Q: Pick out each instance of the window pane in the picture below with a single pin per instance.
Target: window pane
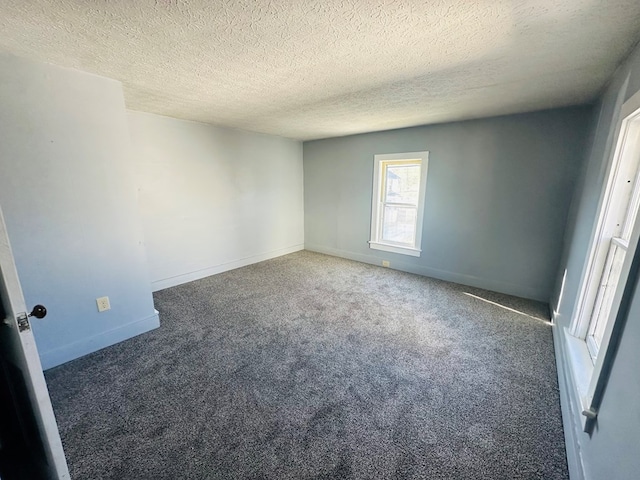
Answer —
(604, 299)
(402, 184)
(399, 224)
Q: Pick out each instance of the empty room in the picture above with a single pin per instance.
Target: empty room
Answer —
(342, 239)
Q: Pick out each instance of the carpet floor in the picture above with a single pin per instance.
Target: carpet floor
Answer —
(314, 367)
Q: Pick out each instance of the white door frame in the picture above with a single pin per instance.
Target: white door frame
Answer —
(19, 349)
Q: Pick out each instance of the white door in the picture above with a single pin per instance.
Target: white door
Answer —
(30, 445)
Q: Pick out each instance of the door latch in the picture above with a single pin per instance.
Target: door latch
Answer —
(39, 311)
(23, 322)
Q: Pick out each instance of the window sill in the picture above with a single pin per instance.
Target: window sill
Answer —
(414, 252)
(581, 371)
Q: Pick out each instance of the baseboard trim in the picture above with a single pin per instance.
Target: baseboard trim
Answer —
(567, 406)
(83, 347)
(470, 280)
(161, 284)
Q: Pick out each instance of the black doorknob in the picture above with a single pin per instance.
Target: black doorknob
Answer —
(39, 311)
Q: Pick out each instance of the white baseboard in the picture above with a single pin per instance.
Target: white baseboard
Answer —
(223, 267)
(470, 280)
(569, 415)
(78, 349)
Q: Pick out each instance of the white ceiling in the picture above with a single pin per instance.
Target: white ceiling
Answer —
(319, 68)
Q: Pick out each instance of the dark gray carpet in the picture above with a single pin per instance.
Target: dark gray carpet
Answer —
(314, 367)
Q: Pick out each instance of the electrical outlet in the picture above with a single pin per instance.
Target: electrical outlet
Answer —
(103, 304)
(386, 263)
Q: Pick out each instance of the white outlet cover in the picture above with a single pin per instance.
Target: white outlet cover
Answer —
(103, 304)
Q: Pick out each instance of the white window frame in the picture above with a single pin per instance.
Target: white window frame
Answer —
(587, 359)
(376, 242)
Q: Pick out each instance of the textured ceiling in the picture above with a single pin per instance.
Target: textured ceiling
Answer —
(320, 68)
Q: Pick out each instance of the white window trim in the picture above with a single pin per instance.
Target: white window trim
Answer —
(586, 373)
(375, 241)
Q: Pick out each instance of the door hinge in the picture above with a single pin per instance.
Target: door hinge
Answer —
(23, 322)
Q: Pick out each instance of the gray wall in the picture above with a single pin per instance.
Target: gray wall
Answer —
(212, 199)
(612, 451)
(498, 193)
(68, 195)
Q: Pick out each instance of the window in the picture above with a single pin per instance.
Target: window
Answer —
(613, 240)
(399, 182)
(608, 264)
